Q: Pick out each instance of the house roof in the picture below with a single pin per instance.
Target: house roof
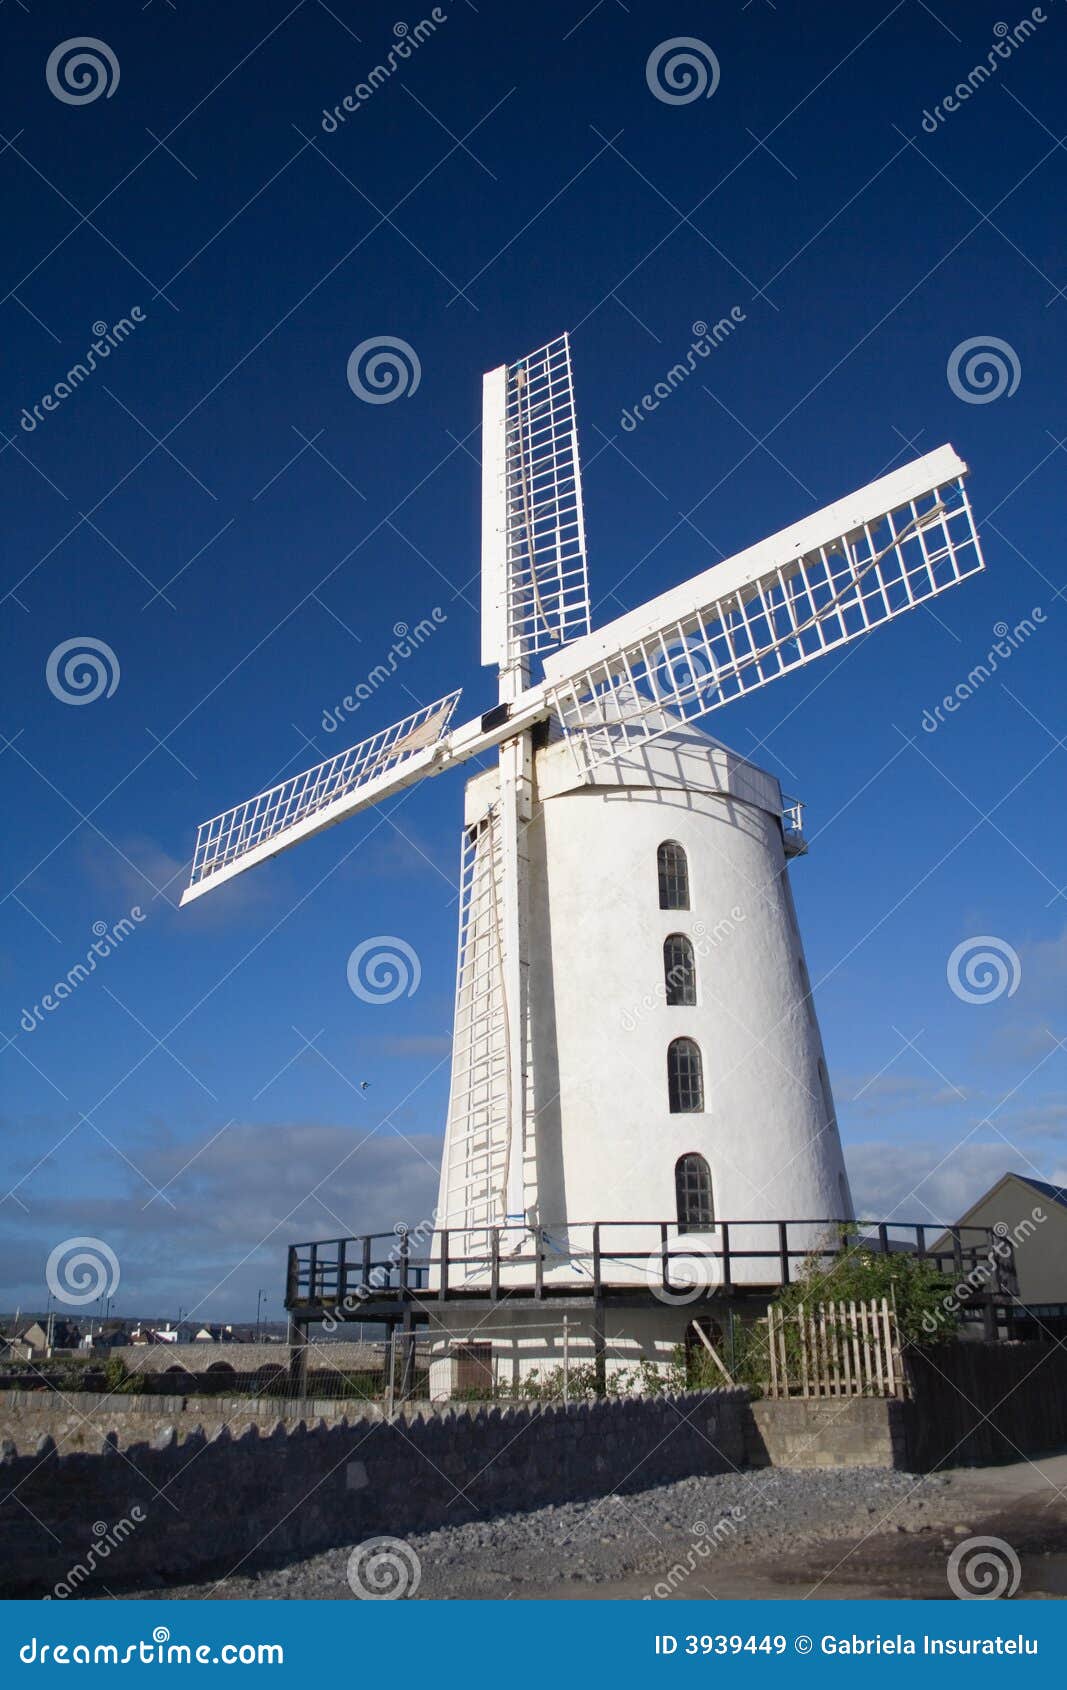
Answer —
(1053, 1193)
(1057, 1193)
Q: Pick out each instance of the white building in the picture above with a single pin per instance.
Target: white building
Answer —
(678, 1074)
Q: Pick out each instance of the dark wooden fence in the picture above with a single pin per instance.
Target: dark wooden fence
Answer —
(979, 1402)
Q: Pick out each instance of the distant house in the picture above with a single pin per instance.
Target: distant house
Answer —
(1033, 1216)
(108, 1336)
(214, 1335)
(35, 1338)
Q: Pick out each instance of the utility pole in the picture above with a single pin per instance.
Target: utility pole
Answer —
(261, 1297)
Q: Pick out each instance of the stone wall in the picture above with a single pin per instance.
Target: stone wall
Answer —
(245, 1358)
(77, 1421)
(199, 1507)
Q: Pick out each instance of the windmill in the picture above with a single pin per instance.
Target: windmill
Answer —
(557, 1116)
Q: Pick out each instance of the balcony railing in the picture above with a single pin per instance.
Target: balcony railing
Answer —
(374, 1275)
(793, 826)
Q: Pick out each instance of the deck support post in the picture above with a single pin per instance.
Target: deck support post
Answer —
(600, 1350)
(298, 1358)
(407, 1372)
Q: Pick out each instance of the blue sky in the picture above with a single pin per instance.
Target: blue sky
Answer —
(217, 506)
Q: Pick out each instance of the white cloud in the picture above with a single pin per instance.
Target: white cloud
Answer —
(927, 1184)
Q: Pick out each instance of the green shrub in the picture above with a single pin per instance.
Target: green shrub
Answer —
(914, 1288)
(119, 1379)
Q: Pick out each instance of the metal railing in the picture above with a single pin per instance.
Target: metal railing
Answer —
(367, 1276)
(793, 825)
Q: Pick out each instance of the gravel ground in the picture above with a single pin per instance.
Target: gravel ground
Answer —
(646, 1534)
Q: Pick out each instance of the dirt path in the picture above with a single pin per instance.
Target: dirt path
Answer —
(1024, 1505)
(771, 1533)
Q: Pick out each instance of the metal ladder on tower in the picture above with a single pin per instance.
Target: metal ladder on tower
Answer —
(479, 1102)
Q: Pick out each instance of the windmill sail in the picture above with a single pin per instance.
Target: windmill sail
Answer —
(316, 799)
(886, 549)
(535, 585)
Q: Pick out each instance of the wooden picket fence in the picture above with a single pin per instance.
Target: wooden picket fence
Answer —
(834, 1349)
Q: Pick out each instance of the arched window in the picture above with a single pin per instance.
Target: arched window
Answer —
(673, 876)
(692, 1190)
(685, 1077)
(679, 970)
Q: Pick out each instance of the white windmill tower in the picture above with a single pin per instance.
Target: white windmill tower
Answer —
(635, 1049)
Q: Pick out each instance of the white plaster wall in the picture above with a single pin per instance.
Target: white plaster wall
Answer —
(607, 1142)
(526, 1342)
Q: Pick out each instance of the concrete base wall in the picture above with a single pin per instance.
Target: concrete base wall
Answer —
(853, 1432)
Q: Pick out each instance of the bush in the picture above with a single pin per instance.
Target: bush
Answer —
(914, 1288)
(118, 1378)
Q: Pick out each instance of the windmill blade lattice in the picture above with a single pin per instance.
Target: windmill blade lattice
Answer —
(315, 799)
(535, 582)
(804, 592)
